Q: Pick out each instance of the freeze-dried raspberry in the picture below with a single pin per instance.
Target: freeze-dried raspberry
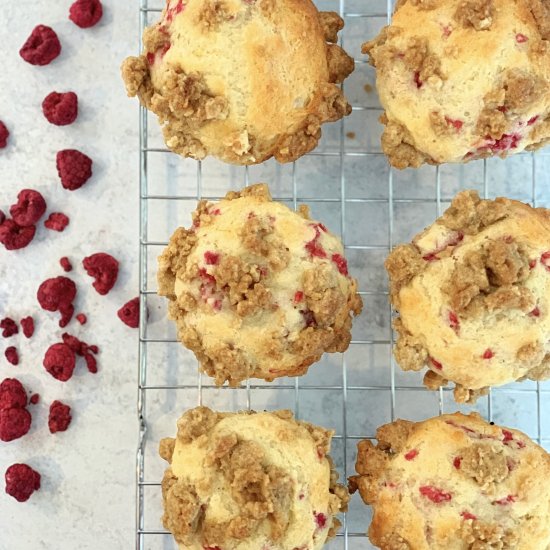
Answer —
(41, 47)
(57, 294)
(81, 318)
(104, 269)
(341, 263)
(9, 327)
(27, 324)
(2, 217)
(35, 398)
(86, 13)
(82, 349)
(66, 264)
(60, 109)
(74, 168)
(4, 135)
(59, 417)
(411, 455)
(320, 520)
(12, 356)
(14, 423)
(91, 363)
(29, 209)
(21, 481)
(129, 313)
(60, 361)
(57, 221)
(12, 394)
(14, 237)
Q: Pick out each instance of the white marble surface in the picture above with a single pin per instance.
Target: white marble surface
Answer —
(87, 500)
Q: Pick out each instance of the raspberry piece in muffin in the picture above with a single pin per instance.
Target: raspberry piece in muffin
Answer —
(256, 289)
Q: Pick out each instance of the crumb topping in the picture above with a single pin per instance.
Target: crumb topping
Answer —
(476, 13)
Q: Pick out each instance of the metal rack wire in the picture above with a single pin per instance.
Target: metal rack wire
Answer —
(395, 389)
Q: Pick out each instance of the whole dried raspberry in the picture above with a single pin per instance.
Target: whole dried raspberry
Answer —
(21, 481)
(60, 361)
(12, 356)
(41, 47)
(59, 417)
(74, 168)
(57, 294)
(86, 13)
(9, 327)
(12, 394)
(57, 221)
(66, 264)
(14, 423)
(129, 313)
(4, 135)
(29, 209)
(60, 109)
(27, 324)
(104, 269)
(14, 237)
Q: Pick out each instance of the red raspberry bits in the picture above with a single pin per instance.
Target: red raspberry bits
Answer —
(81, 318)
(454, 322)
(434, 494)
(488, 354)
(82, 349)
(545, 260)
(320, 520)
(129, 313)
(74, 168)
(42, 46)
(298, 296)
(341, 263)
(60, 109)
(104, 269)
(211, 258)
(521, 38)
(57, 294)
(59, 417)
(456, 124)
(468, 515)
(4, 135)
(313, 246)
(457, 462)
(60, 361)
(412, 454)
(510, 499)
(35, 398)
(57, 221)
(21, 481)
(65, 263)
(436, 364)
(9, 327)
(27, 324)
(535, 312)
(2, 217)
(12, 356)
(86, 13)
(29, 209)
(14, 237)
(12, 394)
(14, 423)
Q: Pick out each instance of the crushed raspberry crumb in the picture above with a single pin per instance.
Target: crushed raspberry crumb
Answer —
(434, 494)
(4, 135)
(104, 269)
(65, 263)
(81, 318)
(457, 462)
(60, 361)
(510, 499)
(129, 313)
(41, 47)
(412, 454)
(60, 109)
(27, 324)
(320, 520)
(341, 263)
(211, 258)
(488, 354)
(14, 423)
(9, 327)
(59, 417)
(505, 143)
(436, 364)
(298, 296)
(57, 221)
(12, 394)
(74, 168)
(21, 481)
(521, 38)
(535, 312)
(454, 323)
(456, 124)
(12, 356)
(30, 207)
(545, 260)
(35, 398)
(467, 515)
(86, 13)
(15, 237)
(57, 294)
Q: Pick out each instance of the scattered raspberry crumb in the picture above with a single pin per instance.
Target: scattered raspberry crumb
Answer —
(211, 258)
(12, 356)
(521, 38)
(60, 361)
(4, 135)
(436, 364)
(320, 520)
(35, 398)
(27, 324)
(21, 481)
(42, 46)
(457, 461)
(412, 454)
(57, 221)
(12, 394)
(65, 263)
(86, 13)
(57, 294)
(129, 313)
(74, 168)
(104, 269)
(434, 494)
(14, 423)
(81, 318)
(14, 237)
(506, 500)
(9, 327)
(341, 263)
(60, 109)
(59, 417)
(467, 515)
(298, 296)
(488, 354)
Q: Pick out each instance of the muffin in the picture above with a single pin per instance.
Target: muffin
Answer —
(472, 292)
(454, 482)
(256, 289)
(463, 79)
(250, 481)
(242, 80)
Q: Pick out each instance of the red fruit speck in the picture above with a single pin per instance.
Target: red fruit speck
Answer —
(65, 263)
(505, 143)
(447, 31)
(35, 398)
(57, 221)
(14, 237)
(81, 318)
(30, 207)
(4, 135)
(60, 109)
(59, 417)
(12, 356)
(57, 294)
(129, 313)
(60, 361)
(86, 13)
(320, 520)
(211, 548)
(532, 264)
(41, 47)
(467, 515)
(535, 312)
(545, 260)
(341, 263)
(27, 324)
(74, 168)
(521, 38)
(211, 258)
(434, 494)
(488, 354)
(430, 257)
(532, 120)
(454, 322)
(507, 436)
(12, 394)
(457, 461)
(14, 423)
(313, 246)
(505, 501)
(412, 454)
(9, 327)
(298, 296)
(436, 364)
(456, 124)
(104, 269)
(21, 481)
(417, 80)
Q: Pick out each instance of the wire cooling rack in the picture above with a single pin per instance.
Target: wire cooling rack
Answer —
(348, 185)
